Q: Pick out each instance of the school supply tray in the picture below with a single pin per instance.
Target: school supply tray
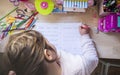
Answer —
(109, 6)
(65, 6)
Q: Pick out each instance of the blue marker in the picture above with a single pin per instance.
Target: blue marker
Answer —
(80, 3)
(86, 3)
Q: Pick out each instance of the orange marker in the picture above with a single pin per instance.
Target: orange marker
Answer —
(31, 19)
(29, 22)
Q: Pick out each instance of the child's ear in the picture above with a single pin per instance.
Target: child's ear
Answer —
(49, 55)
(11, 73)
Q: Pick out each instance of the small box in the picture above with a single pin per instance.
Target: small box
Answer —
(109, 6)
(110, 23)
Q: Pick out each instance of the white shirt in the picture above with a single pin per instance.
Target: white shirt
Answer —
(79, 64)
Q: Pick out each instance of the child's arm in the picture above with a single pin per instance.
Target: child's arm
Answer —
(90, 58)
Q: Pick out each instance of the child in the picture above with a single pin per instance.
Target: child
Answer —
(29, 53)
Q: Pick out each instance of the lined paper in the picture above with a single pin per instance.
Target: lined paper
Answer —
(65, 36)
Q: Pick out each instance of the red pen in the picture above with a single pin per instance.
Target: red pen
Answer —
(84, 27)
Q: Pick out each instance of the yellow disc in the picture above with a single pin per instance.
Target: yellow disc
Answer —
(44, 11)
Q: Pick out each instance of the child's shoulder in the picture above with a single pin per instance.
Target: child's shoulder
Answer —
(71, 64)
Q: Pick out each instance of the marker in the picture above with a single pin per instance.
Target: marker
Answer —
(32, 27)
(19, 18)
(33, 22)
(29, 22)
(13, 29)
(22, 22)
(9, 27)
(80, 3)
(5, 33)
(112, 2)
(86, 3)
(84, 27)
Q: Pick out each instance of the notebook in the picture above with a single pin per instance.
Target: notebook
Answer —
(65, 36)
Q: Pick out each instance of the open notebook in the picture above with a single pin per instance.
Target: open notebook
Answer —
(65, 36)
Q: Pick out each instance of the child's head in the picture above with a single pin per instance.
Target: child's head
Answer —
(29, 53)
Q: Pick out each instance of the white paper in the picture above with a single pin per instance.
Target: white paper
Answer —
(65, 36)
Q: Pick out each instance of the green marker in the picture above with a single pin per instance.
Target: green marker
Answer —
(21, 23)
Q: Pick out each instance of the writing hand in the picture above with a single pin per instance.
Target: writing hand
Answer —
(84, 29)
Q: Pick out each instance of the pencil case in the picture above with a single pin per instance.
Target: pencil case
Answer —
(109, 23)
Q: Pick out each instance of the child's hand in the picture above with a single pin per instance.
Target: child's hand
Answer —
(84, 29)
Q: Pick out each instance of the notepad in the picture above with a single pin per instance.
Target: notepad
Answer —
(65, 36)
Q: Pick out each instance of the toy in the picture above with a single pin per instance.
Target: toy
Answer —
(110, 23)
(44, 7)
(16, 2)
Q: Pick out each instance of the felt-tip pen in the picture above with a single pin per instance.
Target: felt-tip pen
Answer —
(84, 27)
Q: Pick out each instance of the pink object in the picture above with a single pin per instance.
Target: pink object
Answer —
(29, 5)
(24, 0)
(90, 2)
(110, 23)
(44, 5)
(59, 1)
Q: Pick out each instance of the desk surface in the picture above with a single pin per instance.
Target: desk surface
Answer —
(108, 45)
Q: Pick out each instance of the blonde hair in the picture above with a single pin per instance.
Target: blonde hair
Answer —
(24, 53)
